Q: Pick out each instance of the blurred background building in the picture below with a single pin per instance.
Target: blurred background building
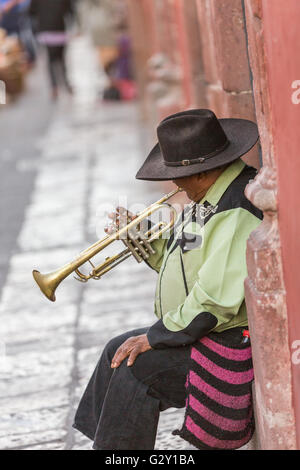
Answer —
(131, 63)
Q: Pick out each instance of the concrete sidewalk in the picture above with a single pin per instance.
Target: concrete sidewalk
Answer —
(49, 350)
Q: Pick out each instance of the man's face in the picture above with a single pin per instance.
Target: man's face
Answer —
(196, 186)
(191, 185)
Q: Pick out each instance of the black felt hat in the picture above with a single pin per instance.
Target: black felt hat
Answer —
(194, 141)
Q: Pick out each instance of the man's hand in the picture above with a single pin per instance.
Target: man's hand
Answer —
(120, 219)
(132, 347)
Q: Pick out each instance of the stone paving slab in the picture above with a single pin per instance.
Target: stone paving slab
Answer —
(16, 387)
(51, 439)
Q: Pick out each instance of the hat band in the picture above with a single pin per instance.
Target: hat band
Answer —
(192, 161)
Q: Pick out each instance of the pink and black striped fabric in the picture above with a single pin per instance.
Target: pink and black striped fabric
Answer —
(219, 411)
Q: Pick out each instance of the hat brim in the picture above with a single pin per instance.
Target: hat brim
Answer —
(242, 135)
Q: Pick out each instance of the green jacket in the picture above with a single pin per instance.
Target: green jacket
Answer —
(202, 266)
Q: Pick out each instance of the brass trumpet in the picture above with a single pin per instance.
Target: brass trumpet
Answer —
(138, 245)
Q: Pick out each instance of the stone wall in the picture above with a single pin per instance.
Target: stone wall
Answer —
(272, 288)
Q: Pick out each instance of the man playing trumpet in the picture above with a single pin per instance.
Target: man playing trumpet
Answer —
(201, 271)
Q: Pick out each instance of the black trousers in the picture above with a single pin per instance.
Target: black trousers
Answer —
(120, 407)
(57, 65)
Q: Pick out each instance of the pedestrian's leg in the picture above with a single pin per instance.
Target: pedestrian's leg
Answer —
(63, 65)
(52, 60)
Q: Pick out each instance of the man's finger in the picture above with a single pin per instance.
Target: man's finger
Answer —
(112, 215)
(125, 213)
(111, 228)
(119, 356)
(133, 355)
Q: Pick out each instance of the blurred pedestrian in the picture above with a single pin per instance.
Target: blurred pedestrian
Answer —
(9, 16)
(124, 78)
(50, 18)
(15, 21)
(98, 17)
(25, 31)
(119, 70)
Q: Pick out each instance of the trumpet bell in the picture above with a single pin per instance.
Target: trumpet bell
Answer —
(47, 283)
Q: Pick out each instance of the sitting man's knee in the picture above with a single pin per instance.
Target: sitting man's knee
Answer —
(113, 344)
(111, 347)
